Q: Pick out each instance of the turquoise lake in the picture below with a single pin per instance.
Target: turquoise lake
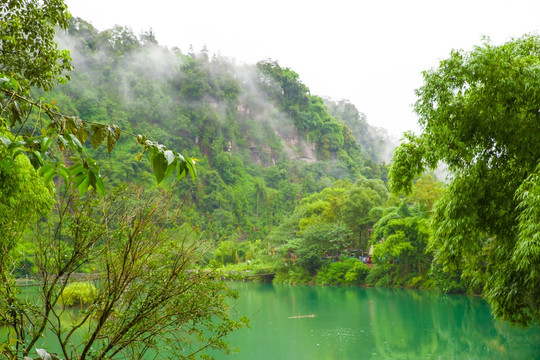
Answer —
(323, 323)
(353, 323)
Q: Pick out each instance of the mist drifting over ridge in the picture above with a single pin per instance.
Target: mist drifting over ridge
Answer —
(165, 70)
(263, 141)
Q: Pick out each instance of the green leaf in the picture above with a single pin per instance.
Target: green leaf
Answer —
(49, 176)
(62, 142)
(100, 186)
(45, 144)
(191, 167)
(159, 166)
(5, 141)
(79, 178)
(170, 168)
(76, 169)
(16, 144)
(64, 173)
(113, 134)
(73, 124)
(99, 132)
(83, 186)
(92, 163)
(47, 167)
(83, 134)
(182, 170)
(36, 159)
(92, 177)
(74, 143)
(152, 153)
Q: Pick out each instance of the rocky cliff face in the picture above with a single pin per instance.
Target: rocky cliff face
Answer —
(293, 146)
(298, 149)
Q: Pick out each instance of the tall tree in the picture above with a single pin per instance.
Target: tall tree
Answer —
(479, 111)
(357, 212)
(27, 45)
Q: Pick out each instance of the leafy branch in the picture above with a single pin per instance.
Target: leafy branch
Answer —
(71, 132)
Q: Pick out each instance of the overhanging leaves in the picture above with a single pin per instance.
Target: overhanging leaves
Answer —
(113, 134)
(479, 114)
(72, 132)
(99, 132)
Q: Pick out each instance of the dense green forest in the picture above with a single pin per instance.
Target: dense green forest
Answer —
(159, 170)
(262, 140)
(281, 173)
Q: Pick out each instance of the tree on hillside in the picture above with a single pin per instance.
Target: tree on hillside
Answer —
(319, 241)
(400, 238)
(307, 111)
(360, 199)
(480, 115)
(374, 141)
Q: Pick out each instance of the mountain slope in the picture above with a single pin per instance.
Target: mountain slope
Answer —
(262, 139)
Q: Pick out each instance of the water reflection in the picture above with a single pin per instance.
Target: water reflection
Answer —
(335, 323)
(355, 323)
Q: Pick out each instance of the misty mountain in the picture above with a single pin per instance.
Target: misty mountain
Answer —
(262, 139)
(375, 141)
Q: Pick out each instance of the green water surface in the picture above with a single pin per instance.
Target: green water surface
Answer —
(342, 323)
(303, 322)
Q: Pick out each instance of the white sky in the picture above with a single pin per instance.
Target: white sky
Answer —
(370, 52)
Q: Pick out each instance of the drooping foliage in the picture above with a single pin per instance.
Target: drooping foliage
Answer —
(400, 240)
